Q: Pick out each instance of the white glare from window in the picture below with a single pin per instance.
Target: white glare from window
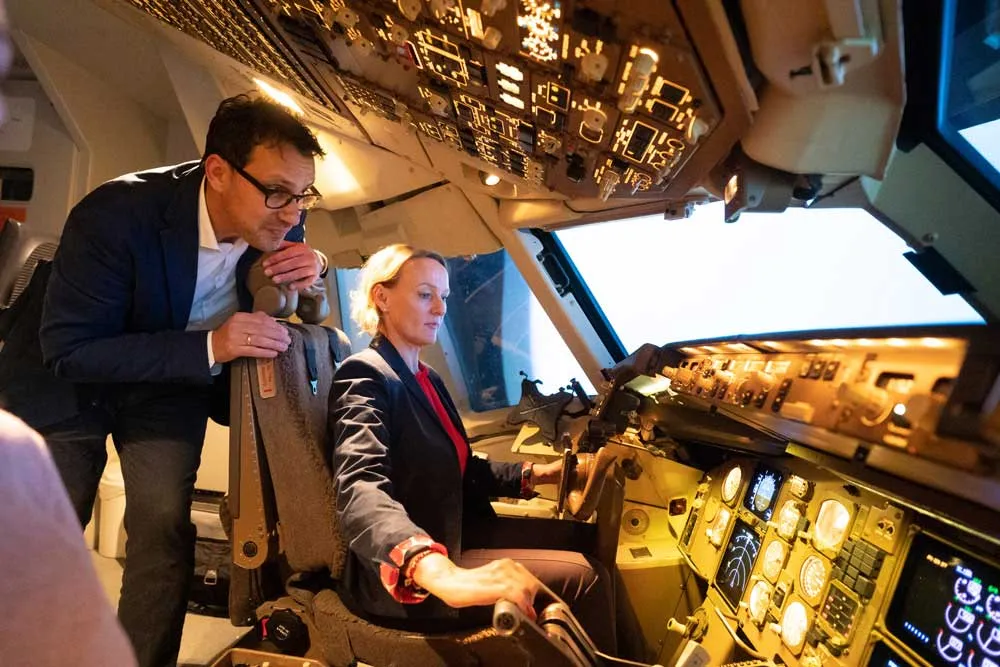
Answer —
(660, 281)
(985, 138)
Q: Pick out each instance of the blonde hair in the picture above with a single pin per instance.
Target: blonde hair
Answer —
(382, 268)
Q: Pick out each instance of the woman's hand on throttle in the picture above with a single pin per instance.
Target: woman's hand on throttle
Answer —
(503, 579)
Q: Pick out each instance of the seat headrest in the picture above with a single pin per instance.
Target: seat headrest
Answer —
(310, 304)
(19, 255)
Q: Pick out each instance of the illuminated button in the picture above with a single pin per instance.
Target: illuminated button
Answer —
(638, 79)
(492, 37)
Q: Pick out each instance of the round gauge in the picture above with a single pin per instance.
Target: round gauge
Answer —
(774, 559)
(968, 591)
(831, 525)
(788, 519)
(813, 575)
(760, 600)
(794, 623)
(959, 619)
(988, 637)
(993, 607)
(718, 529)
(731, 485)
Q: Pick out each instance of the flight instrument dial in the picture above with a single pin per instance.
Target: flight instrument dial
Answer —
(731, 485)
(993, 607)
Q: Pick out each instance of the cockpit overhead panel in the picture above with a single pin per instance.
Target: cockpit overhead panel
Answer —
(603, 98)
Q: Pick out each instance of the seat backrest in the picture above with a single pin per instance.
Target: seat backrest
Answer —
(291, 413)
(19, 255)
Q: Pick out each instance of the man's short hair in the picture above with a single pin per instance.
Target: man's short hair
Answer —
(244, 122)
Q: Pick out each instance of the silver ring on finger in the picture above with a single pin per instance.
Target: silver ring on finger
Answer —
(248, 340)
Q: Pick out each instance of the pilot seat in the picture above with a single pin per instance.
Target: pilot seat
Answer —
(287, 550)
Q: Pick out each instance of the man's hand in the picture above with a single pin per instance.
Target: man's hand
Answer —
(249, 335)
(456, 586)
(294, 265)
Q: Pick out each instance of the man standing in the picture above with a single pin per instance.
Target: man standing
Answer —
(141, 311)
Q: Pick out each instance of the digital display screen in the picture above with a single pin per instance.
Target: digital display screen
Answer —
(947, 606)
(763, 492)
(737, 562)
(883, 656)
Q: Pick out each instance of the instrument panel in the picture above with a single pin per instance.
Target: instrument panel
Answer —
(878, 390)
(947, 605)
(801, 561)
(587, 98)
(838, 575)
(590, 98)
(918, 404)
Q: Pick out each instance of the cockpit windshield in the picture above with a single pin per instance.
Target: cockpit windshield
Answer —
(801, 270)
(969, 103)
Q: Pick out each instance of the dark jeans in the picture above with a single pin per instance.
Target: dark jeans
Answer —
(158, 431)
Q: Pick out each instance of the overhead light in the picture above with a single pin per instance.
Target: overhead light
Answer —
(488, 179)
(279, 96)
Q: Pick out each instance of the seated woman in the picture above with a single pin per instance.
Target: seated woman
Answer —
(408, 486)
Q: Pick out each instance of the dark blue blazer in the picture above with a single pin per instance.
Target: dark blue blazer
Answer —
(121, 288)
(397, 474)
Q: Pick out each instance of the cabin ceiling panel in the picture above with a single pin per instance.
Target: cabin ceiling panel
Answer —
(459, 232)
(99, 41)
(354, 173)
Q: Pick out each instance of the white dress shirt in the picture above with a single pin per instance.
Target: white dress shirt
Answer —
(215, 297)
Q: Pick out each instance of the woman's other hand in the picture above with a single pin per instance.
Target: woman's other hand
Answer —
(461, 587)
(547, 473)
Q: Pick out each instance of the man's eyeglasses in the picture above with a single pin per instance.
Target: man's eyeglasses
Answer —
(276, 198)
